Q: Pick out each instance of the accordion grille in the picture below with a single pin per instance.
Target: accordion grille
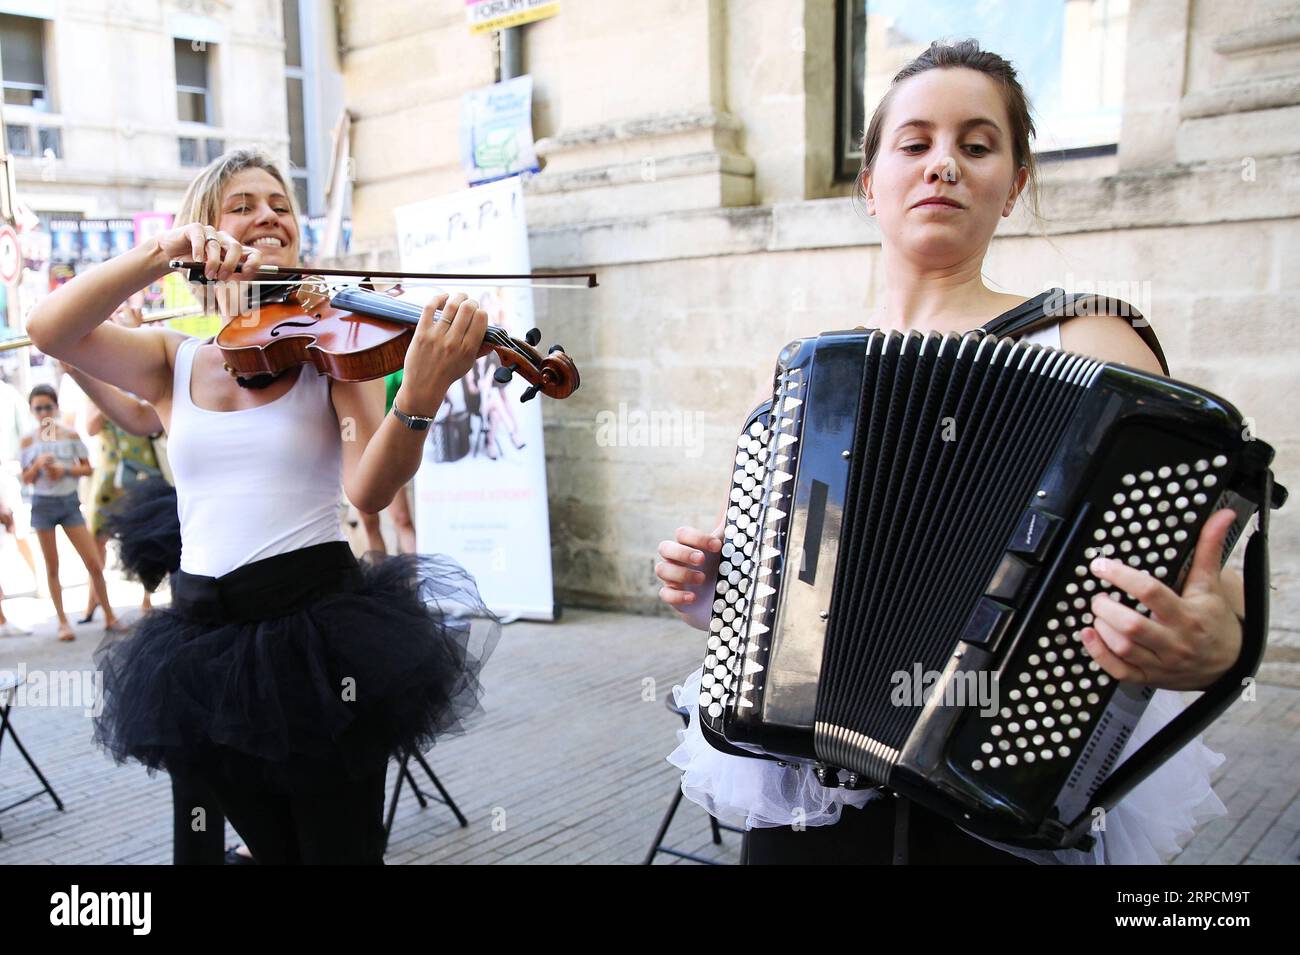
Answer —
(953, 433)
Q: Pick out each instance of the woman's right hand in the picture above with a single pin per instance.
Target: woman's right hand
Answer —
(220, 252)
(688, 566)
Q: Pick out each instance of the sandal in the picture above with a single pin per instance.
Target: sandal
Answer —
(66, 633)
(235, 857)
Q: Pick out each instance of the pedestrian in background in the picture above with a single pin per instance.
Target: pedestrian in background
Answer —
(53, 458)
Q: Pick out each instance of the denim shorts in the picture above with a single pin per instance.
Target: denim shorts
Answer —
(49, 511)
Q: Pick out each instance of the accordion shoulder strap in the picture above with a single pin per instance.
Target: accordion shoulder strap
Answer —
(1056, 305)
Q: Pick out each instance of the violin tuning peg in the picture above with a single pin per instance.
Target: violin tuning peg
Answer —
(554, 348)
(533, 336)
(530, 393)
(503, 375)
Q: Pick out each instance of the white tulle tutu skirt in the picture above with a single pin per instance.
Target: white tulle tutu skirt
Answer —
(1151, 824)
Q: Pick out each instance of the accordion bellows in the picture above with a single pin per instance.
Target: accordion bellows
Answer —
(905, 569)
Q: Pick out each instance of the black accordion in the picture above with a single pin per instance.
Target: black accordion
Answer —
(905, 570)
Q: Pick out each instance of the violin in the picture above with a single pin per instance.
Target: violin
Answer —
(355, 333)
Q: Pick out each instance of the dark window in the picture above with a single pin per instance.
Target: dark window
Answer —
(1072, 67)
(192, 82)
(292, 34)
(297, 124)
(850, 60)
(197, 152)
(18, 139)
(22, 50)
(51, 141)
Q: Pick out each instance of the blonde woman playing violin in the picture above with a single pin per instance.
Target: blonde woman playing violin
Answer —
(284, 674)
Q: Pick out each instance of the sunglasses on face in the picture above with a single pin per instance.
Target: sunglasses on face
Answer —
(44, 409)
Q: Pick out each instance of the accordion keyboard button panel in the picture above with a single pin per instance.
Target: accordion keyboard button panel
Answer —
(750, 564)
(737, 571)
(1053, 692)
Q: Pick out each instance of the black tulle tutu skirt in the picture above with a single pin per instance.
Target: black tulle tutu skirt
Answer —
(307, 665)
(144, 523)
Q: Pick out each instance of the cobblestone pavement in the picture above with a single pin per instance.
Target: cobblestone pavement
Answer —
(566, 766)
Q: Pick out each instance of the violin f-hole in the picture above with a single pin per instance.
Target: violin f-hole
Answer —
(276, 330)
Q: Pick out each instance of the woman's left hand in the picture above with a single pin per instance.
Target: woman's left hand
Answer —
(1189, 640)
(447, 341)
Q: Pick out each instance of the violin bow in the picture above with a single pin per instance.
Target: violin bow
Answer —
(195, 270)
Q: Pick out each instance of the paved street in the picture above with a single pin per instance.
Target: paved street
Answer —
(566, 766)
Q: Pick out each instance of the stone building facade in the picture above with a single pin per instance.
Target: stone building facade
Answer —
(110, 132)
(689, 157)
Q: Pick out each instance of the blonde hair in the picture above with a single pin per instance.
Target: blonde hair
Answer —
(202, 200)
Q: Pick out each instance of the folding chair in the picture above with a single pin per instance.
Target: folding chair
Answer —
(404, 774)
(9, 683)
(715, 827)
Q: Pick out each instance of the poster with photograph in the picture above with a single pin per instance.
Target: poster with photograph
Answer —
(481, 490)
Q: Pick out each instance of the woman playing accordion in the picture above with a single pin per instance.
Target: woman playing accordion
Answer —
(946, 155)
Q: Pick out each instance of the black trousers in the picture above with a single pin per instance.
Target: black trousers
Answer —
(338, 825)
(198, 825)
(866, 836)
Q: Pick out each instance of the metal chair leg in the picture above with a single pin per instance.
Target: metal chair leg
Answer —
(446, 796)
(404, 774)
(7, 727)
(663, 827)
(415, 786)
(392, 804)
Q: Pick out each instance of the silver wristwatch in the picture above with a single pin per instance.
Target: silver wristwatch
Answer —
(413, 421)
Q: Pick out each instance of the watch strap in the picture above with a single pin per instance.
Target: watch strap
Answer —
(413, 421)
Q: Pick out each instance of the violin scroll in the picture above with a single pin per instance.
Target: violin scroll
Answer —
(554, 375)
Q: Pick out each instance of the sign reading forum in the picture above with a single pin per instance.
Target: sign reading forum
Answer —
(485, 15)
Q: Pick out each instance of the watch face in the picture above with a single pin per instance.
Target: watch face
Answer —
(414, 422)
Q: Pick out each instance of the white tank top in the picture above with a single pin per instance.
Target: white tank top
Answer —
(257, 482)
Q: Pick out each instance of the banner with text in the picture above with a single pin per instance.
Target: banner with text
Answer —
(481, 489)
